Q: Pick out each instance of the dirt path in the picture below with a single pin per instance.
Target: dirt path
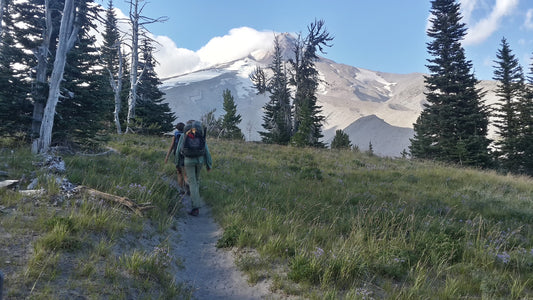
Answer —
(210, 271)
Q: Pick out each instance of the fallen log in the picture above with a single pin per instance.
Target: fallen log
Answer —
(8, 183)
(124, 201)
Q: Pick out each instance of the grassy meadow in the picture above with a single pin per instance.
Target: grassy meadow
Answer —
(348, 225)
(317, 223)
(61, 246)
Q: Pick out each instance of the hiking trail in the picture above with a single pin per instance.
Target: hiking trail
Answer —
(209, 271)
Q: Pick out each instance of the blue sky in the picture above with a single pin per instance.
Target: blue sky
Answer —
(380, 35)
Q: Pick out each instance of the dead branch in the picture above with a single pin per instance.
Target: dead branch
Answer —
(8, 183)
(136, 208)
(33, 193)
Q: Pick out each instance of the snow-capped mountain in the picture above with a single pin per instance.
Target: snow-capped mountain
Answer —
(372, 107)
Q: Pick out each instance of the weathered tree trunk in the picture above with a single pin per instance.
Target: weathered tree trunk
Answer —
(8, 183)
(136, 208)
(132, 97)
(41, 53)
(68, 32)
(116, 85)
(2, 4)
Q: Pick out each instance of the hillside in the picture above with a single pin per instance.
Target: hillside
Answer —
(308, 223)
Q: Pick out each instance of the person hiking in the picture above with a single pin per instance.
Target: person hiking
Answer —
(193, 146)
(182, 177)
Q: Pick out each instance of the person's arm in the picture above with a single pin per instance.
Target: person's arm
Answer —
(170, 149)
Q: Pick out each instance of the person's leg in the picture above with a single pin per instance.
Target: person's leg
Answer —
(193, 175)
(181, 178)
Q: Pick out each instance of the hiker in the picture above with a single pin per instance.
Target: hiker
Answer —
(196, 154)
(182, 177)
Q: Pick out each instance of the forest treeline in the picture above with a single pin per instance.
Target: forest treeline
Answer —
(58, 87)
(53, 74)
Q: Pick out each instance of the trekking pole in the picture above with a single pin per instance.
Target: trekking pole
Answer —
(1, 283)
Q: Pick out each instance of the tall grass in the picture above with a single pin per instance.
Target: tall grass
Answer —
(345, 223)
(85, 246)
(324, 224)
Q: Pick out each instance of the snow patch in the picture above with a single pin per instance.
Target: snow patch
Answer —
(191, 78)
(367, 76)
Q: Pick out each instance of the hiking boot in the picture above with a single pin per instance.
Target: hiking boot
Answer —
(194, 212)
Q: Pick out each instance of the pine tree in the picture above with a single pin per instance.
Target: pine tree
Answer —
(86, 104)
(341, 140)
(453, 125)
(277, 120)
(525, 140)
(39, 33)
(138, 21)
(15, 109)
(153, 116)
(213, 124)
(231, 119)
(510, 90)
(114, 61)
(307, 113)
(370, 150)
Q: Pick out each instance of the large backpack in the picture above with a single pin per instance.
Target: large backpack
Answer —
(194, 143)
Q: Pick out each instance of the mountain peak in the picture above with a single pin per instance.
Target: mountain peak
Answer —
(287, 42)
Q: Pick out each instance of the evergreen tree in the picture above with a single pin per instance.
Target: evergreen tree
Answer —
(86, 104)
(525, 140)
(277, 120)
(15, 108)
(370, 150)
(115, 64)
(453, 125)
(153, 116)
(138, 23)
(510, 89)
(231, 119)
(307, 119)
(213, 124)
(341, 140)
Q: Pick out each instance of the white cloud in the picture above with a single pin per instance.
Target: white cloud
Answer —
(485, 27)
(237, 44)
(528, 23)
(173, 60)
(467, 7)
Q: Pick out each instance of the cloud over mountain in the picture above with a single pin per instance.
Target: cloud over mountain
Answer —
(237, 44)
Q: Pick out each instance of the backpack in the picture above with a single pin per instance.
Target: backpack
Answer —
(194, 143)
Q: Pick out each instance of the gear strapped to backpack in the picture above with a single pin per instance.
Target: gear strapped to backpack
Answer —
(177, 135)
(194, 143)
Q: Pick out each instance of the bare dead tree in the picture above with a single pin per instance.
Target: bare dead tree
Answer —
(116, 85)
(2, 5)
(68, 32)
(41, 53)
(138, 22)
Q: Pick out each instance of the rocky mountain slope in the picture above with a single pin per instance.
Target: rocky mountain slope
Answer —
(349, 97)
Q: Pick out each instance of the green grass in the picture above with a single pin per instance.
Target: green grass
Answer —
(343, 224)
(59, 246)
(319, 224)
